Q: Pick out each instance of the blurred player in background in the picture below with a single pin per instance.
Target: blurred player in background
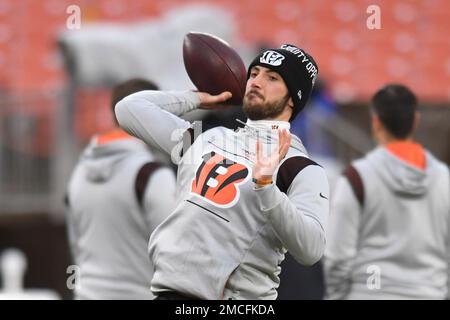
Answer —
(116, 197)
(239, 208)
(390, 215)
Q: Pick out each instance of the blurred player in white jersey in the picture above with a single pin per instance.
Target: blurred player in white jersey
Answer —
(388, 236)
(117, 195)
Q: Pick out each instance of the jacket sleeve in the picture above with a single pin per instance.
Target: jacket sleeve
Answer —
(448, 259)
(342, 235)
(448, 243)
(71, 230)
(299, 217)
(152, 116)
(159, 202)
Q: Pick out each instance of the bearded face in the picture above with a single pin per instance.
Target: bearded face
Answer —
(257, 108)
(266, 95)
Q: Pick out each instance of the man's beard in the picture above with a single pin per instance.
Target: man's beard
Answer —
(263, 111)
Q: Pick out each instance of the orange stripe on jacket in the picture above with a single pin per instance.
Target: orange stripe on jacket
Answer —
(114, 135)
(408, 151)
(228, 193)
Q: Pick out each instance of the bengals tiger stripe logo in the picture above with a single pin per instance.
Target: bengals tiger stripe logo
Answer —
(217, 179)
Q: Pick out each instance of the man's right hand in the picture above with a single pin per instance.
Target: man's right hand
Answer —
(210, 102)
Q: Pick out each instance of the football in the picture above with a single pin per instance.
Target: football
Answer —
(213, 66)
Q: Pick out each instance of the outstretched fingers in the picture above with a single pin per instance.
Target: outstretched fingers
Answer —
(258, 151)
(285, 139)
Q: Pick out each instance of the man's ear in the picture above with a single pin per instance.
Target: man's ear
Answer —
(376, 124)
(291, 103)
(375, 121)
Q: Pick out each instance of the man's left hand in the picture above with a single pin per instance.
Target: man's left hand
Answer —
(265, 166)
